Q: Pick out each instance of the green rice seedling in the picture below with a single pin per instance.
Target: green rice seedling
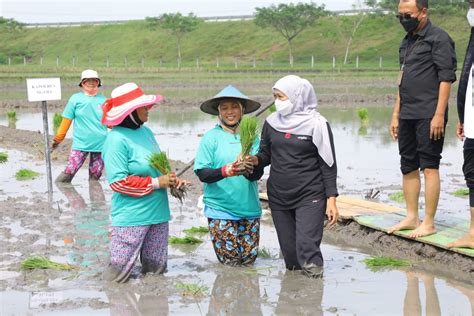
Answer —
(384, 262)
(397, 197)
(461, 192)
(26, 174)
(160, 162)
(196, 230)
(3, 157)
(363, 114)
(193, 289)
(57, 119)
(272, 109)
(11, 115)
(264, 253)
(39, 262)
(187, 240)
(248, 134)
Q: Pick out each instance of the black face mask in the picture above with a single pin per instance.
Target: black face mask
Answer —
(408, 22)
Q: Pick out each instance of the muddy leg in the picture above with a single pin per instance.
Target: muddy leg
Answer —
(154, 254)
(249, 236)
(285, 224)
(96, 166)
(125, 247)
(74, 163)
(225, 241)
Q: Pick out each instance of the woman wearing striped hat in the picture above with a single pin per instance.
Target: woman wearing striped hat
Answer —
(140, 209)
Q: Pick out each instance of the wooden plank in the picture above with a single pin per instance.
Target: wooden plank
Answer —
(446, 232)
(350, 207)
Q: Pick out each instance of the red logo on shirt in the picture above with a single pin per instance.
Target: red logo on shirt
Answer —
(287, 136)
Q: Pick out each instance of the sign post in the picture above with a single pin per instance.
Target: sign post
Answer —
(45, 89)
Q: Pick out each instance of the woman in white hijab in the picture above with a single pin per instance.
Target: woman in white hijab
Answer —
(297, 142)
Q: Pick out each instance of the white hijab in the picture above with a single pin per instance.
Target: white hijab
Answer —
(303, 118)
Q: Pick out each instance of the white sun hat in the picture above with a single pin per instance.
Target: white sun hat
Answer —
(125, 99)
(89, 74)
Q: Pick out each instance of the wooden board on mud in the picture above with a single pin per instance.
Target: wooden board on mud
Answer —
(446, 232)
(381, 216)
(349, 207)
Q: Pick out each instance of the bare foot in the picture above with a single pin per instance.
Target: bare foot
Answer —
(467, 241)
(422, 231)
(407, 223)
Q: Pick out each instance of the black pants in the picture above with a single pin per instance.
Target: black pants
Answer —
(417, 150)
(468, 170)
(300, 232)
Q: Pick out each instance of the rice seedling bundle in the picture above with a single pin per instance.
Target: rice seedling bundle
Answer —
(248, 134)
(461, 192)
(381, 261)
(39, 262)
(160, 162)
(25, 174)
(3, 157)
(187, 240)
(196, 230)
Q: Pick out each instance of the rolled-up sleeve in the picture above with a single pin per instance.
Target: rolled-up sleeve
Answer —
(444, 57)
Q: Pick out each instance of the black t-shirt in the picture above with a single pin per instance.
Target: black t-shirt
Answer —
(297, 173)
(427, 58)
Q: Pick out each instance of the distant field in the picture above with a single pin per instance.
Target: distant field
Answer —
(218, 46)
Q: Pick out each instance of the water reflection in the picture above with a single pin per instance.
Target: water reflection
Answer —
(130, 303)
(235, 294)
(300, 295)
(91, 222)
(412, 304)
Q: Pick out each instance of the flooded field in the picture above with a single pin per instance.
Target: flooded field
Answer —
(75, 230)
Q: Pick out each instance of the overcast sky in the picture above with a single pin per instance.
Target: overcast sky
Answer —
(37, 11)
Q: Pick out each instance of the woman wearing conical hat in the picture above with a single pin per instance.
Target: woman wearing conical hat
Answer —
(231, 201)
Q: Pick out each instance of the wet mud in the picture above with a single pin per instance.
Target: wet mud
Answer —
(75, 228)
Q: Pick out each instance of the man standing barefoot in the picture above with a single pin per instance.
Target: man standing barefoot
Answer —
(428, 69)
(465, 127)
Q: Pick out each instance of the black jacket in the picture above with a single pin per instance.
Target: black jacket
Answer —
(464, 79)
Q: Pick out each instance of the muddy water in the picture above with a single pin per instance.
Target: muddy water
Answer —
(75, 230)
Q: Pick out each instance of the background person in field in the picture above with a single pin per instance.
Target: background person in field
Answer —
(465, 126)
(427, 71)
(231, 201)
(140, 209)
(85, 109)
(297, 141)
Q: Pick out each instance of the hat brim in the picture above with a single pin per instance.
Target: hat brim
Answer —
(210, 106)
(117, 114)
(100, 81)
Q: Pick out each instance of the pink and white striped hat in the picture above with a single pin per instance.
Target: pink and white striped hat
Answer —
(125, 99)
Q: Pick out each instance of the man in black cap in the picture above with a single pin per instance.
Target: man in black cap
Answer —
(465, 127)
(428, 69)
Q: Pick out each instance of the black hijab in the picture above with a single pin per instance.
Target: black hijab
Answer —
(131, 121)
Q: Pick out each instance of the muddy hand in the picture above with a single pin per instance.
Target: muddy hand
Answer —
(181, 183)
(173, 179)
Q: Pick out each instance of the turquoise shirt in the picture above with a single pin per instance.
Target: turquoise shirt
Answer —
(126, 152)
(234, 195)
(86, 112)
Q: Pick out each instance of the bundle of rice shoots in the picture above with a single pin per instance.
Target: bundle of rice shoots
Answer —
(3, 157)
(57, 119)
(38, 262)
(248, 134)
(160, 162)
(26, 174)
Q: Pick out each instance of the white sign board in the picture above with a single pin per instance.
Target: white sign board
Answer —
(43, 89)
